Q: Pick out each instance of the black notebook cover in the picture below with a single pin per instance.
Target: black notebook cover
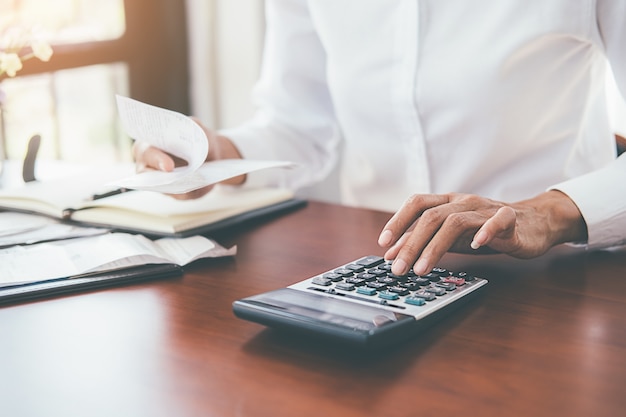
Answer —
(24, 292)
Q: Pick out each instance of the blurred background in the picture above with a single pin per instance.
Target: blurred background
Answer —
(198, 57)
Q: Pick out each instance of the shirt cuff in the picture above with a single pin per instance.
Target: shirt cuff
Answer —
(601, 199)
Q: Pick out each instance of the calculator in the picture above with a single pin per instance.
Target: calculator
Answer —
(362, 302)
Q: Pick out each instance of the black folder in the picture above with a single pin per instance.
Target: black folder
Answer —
(49, 288)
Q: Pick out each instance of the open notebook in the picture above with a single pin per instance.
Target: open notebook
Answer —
(145, 212)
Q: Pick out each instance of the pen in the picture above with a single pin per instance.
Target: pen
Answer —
(108, 194)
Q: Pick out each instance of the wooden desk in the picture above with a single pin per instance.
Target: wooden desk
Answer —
(547, 339)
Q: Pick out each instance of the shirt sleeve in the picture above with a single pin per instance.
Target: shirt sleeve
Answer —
(295, 118)
(601, 195)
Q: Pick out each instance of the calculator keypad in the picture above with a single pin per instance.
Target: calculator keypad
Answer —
(370, 280)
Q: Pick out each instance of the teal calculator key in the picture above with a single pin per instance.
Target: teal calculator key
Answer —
(366, 290)
(388, 295)
(416, 301)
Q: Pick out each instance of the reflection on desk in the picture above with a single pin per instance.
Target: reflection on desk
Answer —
(548, 338)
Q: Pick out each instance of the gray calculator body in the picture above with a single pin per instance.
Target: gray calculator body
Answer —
(361, 303)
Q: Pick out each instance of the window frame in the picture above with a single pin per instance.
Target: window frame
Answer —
(154, 46)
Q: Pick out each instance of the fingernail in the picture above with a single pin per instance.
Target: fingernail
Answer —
(479, 239)
(161, 166)
(399, 267)
(385, 238)
(421, 267)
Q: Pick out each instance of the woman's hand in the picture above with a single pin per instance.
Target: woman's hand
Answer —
(427, 226)
(220, 147)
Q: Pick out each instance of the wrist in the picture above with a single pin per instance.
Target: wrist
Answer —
(564, 220)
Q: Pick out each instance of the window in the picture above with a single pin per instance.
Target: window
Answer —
(101, 48)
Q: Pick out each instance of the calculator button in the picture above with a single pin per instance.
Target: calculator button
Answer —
(370, 261)
(448, 286)
(401, 278)
(459, 282)
(366, 290)
(355, 281)
(387, 280)
(377, 285)
(420, 281)
(355, 268)
(398, 290)
(467, 277)
(432, 277)
(344, 286)
(428, 296)
(321, 281)
(333, 276)
(386, 266)
(344, 272)
(388, 295)
(411, 286)
(378, 272)
(442, 272)
(416, 301)
(435, 290)
(366, 276)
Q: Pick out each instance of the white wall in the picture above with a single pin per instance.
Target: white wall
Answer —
(226, 40)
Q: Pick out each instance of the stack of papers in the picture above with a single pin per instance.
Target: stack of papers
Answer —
(27, 229)
(107, 252)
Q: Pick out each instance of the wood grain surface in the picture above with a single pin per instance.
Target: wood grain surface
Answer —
(547, 338)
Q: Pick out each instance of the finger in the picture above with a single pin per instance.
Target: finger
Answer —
(147, 156)
(410, 211)
(393, 251)
(500, 225)
(410, 247)
(158, 159)
(424, 248)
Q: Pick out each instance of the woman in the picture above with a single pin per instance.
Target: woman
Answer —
(485, 124)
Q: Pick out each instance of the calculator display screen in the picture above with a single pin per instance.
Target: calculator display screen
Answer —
(319, 308)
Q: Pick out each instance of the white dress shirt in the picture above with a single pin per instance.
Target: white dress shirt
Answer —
(503, 99)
